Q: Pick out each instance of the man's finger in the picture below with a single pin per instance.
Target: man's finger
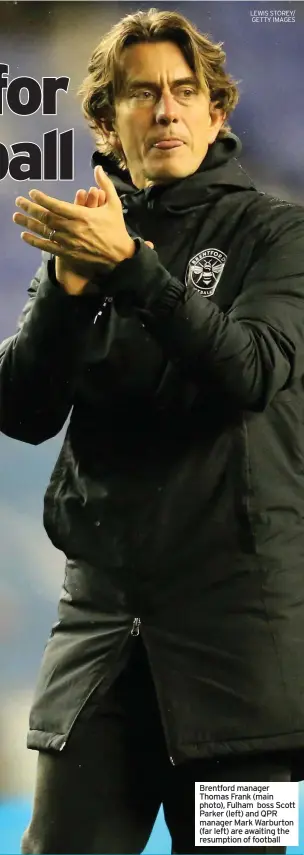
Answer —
(101, 197)
(92, 200)
(43, 215)
(38, 212)
(45, 245)
(41, 229)
(62, 252)
(56, 206)
(80, 197)
(105, 183)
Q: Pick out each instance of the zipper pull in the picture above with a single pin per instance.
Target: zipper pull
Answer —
(105, 303)
(135, 627)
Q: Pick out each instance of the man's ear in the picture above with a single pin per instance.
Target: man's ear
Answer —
(107, 131)
(217, 118)
(111, 137)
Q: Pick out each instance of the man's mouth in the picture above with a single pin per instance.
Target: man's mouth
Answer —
(163, 144)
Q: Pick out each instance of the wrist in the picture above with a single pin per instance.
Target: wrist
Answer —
(127, 251)
(68, 279)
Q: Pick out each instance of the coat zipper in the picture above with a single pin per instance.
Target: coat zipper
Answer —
(100, 313)
(135, 627)
(134, 631)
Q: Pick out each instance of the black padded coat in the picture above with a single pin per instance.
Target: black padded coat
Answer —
(178, 495)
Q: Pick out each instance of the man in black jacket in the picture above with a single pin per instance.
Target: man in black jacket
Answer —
(178, 495)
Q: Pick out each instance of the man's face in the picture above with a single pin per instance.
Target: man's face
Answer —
(163, 122)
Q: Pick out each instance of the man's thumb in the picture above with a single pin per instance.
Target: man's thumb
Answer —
(103, 181)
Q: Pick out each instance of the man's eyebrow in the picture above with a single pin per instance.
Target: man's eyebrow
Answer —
(139, 84)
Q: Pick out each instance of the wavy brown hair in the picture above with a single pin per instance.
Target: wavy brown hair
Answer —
(104, 83)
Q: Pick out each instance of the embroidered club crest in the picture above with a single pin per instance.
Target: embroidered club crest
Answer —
(204, 271)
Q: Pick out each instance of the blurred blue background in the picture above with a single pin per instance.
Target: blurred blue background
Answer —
(51, 39)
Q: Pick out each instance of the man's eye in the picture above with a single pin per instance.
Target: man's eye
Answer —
(188, 92)
(143, 93)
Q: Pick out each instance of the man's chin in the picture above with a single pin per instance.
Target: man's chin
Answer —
(163, 174)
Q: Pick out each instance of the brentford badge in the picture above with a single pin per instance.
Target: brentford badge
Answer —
(204, 271)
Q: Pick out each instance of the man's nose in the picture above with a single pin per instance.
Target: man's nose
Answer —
(167, 109)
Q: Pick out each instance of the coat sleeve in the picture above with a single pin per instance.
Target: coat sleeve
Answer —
(40, 363)
(251, 351)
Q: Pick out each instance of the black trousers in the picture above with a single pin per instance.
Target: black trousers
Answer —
(102, 793)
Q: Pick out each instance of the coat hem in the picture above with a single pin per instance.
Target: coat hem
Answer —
(40, 740)
(203, 749)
